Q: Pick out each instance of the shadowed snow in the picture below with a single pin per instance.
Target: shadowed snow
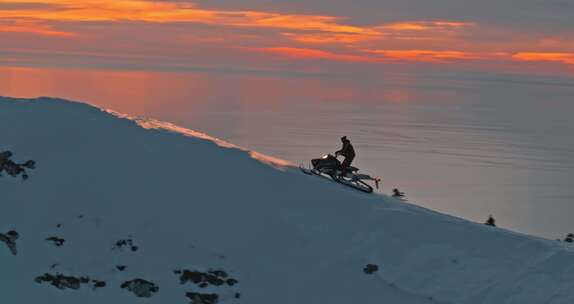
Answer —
(181, 199)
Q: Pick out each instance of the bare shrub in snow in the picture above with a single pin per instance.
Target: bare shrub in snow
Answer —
(490, 221)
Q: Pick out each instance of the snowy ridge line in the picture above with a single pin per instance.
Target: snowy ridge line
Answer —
(154, 124)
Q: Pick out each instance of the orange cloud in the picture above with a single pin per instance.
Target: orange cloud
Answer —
(330, 38)
(32, 27)
(434, 56)
(303, 53)
(304, 22)
(380, 56)
(411, 41)
(306, 29)
(567, 58)
(414, 30)
(426, 25)
(152, 11)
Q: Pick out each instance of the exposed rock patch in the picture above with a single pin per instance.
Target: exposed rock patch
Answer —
(9, 238)
(121, 267)
(370, 269)
(141, 288)
(204, 279)
(127, 243)
(99, 284)
(59, 242)
(62, 282)
(202, 298)
(14, 169)
(216, 278)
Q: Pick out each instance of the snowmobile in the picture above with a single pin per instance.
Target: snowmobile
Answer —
(329, 166)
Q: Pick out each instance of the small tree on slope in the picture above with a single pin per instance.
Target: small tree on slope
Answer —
(490, 221)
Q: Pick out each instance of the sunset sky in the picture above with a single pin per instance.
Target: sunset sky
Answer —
(289, 37)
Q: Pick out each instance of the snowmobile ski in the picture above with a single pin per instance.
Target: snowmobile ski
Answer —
(329, 167)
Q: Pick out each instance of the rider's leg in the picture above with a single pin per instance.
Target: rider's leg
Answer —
(346, 163)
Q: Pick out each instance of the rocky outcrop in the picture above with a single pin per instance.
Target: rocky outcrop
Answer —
(127, 243)
(141, 288)
(99, 284)
(13, 169)
(62, 282)
(9, 238)
(202, 298)
(204, 279)
(370, 269)
(121, 267)
(214, 278)
(58, 242)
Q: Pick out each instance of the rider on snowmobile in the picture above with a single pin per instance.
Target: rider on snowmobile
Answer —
(348, 152)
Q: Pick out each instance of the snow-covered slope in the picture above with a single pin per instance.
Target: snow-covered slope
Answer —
(187, 201)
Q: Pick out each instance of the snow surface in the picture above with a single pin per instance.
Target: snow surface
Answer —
(189, 201)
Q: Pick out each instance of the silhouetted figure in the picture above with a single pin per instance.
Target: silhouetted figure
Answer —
(569, 238)
(398, 194)
(12, 168)
(348, 152)
(490, 221)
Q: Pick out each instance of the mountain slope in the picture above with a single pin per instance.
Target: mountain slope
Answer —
(187, 201)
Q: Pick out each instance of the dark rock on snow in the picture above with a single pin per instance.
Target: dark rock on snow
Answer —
(61, 281)
(219, 273)
(14, 169)
(126, 243)
(202, 298)
(57, 241)
(141, 288)
(98, 284)
(9, 238)
(204, 279)
(370, 269)
(121, 267)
